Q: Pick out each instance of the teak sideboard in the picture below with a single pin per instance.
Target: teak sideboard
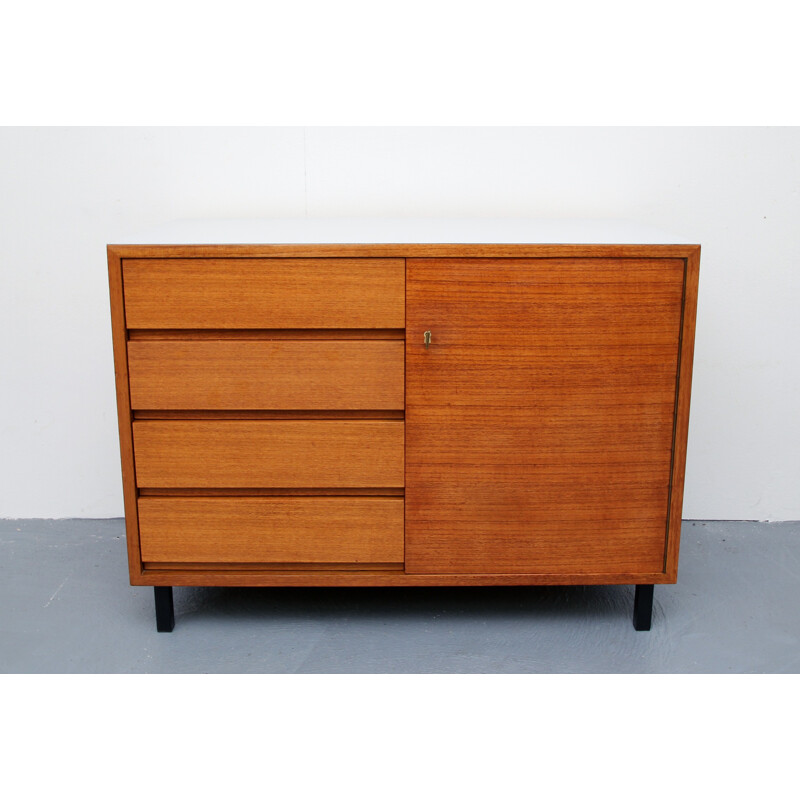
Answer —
(326, 408)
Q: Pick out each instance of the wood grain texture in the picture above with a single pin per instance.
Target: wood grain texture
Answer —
(124, 413)
(305, 375)
(271, 529)
(262, 414)
(277, 566)
(682, 412)
(268, 453)
(589, 392)
(404, 251)
(268, 334)
(251, 491)
(540, 419)
(321, 577)
(264, 293)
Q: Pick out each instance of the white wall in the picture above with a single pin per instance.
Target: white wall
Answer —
(66, 192)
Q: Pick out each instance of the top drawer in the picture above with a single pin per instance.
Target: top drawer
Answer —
(264, 293)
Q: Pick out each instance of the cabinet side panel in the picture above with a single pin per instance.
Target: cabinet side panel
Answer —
(119, 337)
(682, 412)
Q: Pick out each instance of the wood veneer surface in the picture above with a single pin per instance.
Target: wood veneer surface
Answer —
(234, 374)
(272, 529)
(539, 422)
(639, 350)
(264, 293)
(268, 453)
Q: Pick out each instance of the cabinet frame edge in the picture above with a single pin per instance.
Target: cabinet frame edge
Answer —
(119, 337)
(404, 250)
(683, 398)
(141, 577)
(254, 578)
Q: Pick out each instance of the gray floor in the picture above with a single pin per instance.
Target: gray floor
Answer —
(66, 606)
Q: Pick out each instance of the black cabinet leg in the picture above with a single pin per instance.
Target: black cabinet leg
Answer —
(643, 607)
(165, 610)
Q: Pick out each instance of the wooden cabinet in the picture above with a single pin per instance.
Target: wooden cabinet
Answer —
(347, 411)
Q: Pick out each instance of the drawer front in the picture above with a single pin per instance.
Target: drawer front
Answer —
(269, 453)
(227, 375)
(264, 293)
(272, 529)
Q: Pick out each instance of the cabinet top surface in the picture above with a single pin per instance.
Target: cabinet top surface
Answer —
(348, 230)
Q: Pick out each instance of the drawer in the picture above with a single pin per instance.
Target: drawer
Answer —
(264, 293)
(219, 375)
(271, 529)
(268, 453)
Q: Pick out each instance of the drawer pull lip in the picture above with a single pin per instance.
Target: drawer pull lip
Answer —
(426, 338)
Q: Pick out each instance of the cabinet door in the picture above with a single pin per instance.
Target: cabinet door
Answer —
(540, 418)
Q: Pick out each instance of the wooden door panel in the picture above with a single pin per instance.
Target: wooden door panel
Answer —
(599, 436)
(622, 300)
(559, 547)
(539, 422)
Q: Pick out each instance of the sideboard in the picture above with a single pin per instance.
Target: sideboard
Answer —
(403, 403)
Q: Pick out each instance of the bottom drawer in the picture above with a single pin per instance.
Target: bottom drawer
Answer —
(271, 529)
